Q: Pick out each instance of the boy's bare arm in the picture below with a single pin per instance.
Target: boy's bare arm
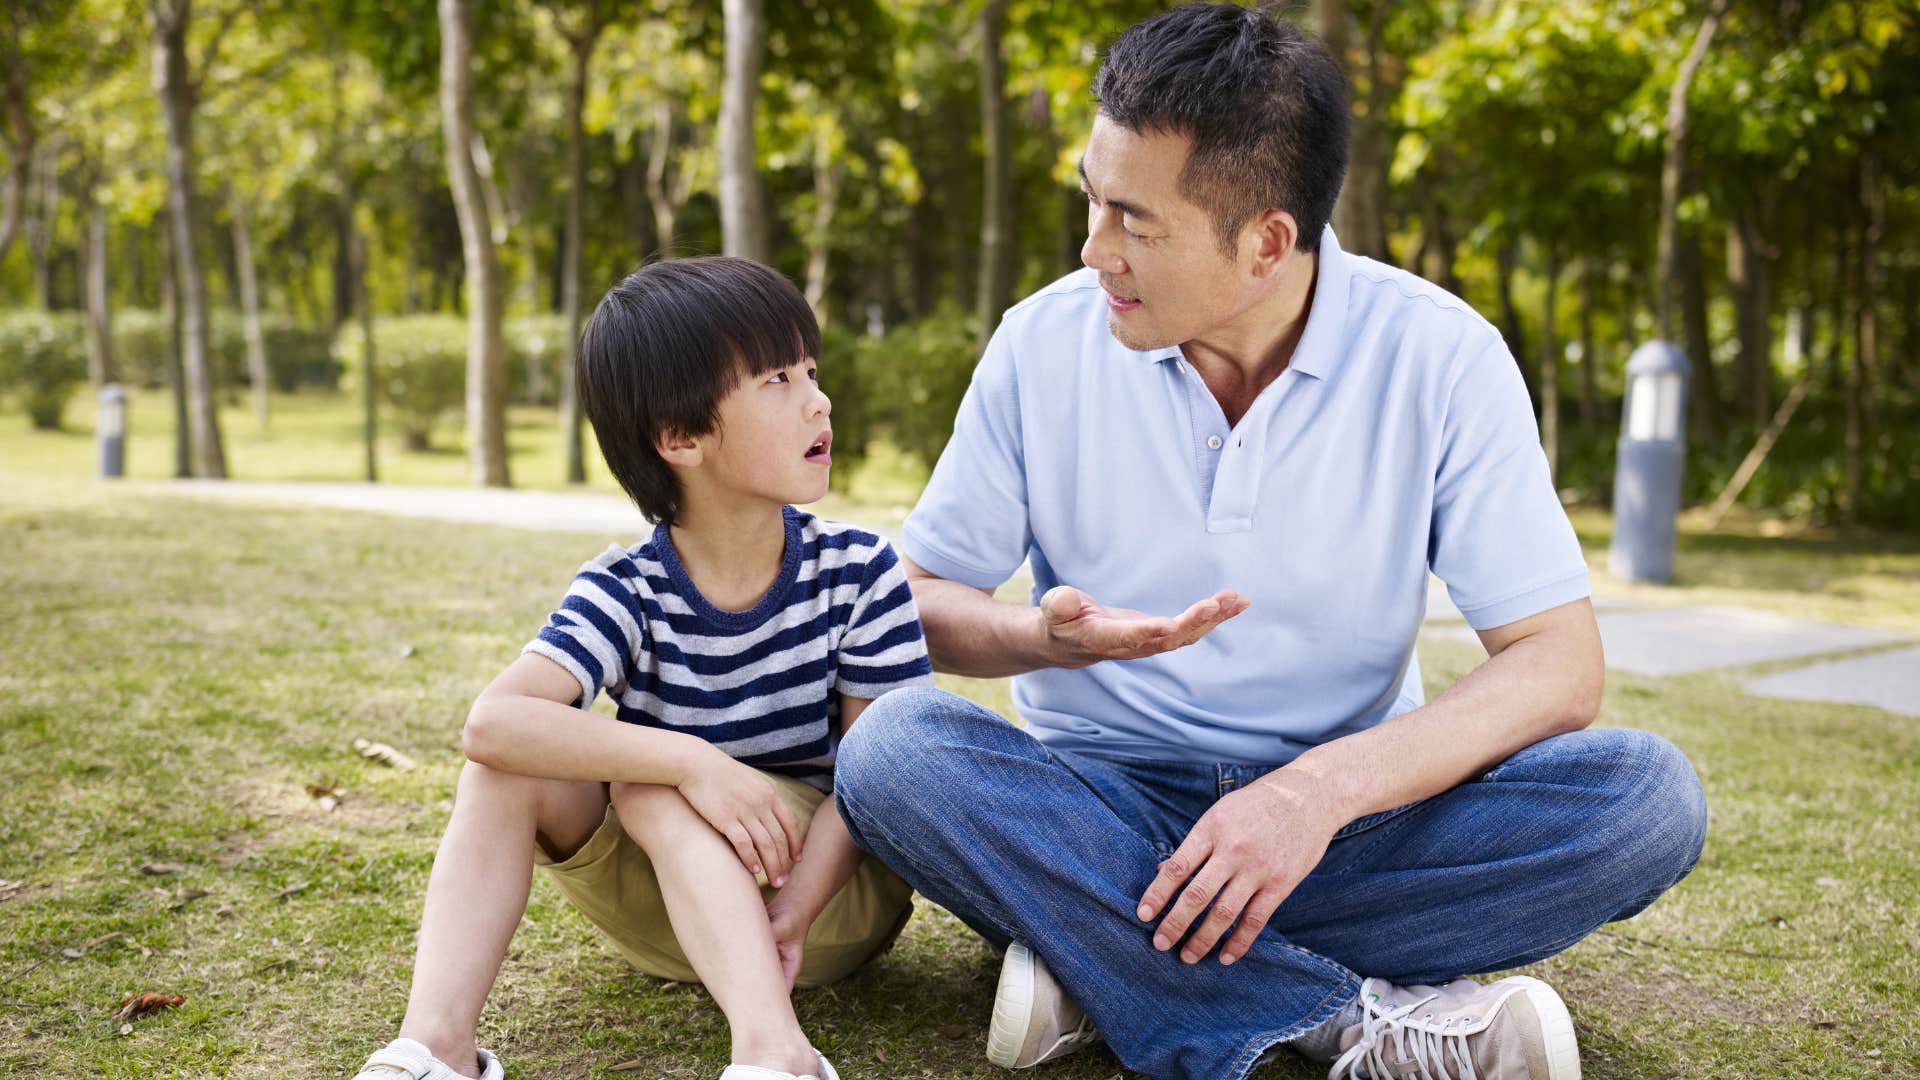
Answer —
(524, 722)
(831, 856)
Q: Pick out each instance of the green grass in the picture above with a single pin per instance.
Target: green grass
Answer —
(177, 671)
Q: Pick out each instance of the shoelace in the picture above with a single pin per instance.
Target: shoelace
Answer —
(1428, 1051)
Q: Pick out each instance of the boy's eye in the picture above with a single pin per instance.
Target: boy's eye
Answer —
(813, 373)
(778, 376)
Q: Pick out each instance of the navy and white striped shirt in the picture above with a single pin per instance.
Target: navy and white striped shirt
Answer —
(763, 685)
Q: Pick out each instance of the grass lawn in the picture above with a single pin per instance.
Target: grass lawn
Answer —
(178, 672)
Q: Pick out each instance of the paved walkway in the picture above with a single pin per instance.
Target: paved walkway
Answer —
(1662, 641)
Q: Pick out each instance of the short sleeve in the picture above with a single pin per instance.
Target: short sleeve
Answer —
(971, 522)
(1499, 539)
(598, 632)
(881, 648)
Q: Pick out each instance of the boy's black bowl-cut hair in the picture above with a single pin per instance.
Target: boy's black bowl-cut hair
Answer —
(666, 344)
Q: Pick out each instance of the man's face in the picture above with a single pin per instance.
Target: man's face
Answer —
(1158, 254)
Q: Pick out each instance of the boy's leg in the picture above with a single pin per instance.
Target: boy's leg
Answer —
(478, 891)
(720, 921)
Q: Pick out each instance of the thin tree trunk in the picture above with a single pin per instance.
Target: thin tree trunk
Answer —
(667, 188)
(250, 306)
(369, 409)
(636, 210)
(18, 130)
(1673, 168)
(583, 42)
(1437, 242)
(996, 211)
(101, 369)
(1873, 205)
(44, 216)
(828, 176)
(486, 366)
(1360, 213)
(176, 98)
(1550, 366)
(1750, 282)
(176, 366)
(1705, 420)
(1065, 244)
(1507, 258)
(744, 228)
(1589, 360)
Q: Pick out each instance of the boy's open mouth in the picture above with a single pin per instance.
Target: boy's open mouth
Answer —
(819, 452)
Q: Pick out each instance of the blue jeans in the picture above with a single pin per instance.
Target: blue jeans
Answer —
(1054, 849)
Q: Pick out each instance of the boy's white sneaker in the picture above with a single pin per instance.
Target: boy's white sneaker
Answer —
(405, 1058)
(755, 1072)
(1033, 1018)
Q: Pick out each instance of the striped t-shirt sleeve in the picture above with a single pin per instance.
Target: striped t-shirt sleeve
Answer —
(596, 633)
(881, 648)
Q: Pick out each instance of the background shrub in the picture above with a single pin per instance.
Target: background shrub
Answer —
(420, 364)
(43, 359)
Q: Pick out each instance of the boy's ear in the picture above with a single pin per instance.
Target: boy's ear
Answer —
(678, 448)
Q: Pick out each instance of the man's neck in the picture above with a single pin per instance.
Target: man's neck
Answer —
(1242, 357)
(733, 549)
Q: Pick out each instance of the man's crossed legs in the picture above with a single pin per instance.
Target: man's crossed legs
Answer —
(1054, 850)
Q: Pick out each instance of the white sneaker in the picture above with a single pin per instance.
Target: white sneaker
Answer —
(1514, 1029)
(1033, 1018)
(407, 1058)
(755, 1072)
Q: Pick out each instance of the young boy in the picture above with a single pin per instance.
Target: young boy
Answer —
(738, 643)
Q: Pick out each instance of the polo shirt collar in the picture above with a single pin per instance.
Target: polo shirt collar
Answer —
(1320, 346)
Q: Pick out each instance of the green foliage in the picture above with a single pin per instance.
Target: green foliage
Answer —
(904, 385)
(420, 368)
(297, 356)
(43, 359)
(535, 342)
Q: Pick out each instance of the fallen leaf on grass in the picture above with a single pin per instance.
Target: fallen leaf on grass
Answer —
(289, 891)
(384, 754)
(142, 1004)
(75, 954)
(406, 651)
(72, 954)
(187, 896)
(328, 795)
(8, 888)
(629, 1066)
(155, 869)
(126, 1029)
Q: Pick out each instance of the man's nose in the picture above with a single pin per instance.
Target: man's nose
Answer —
(1099, 251)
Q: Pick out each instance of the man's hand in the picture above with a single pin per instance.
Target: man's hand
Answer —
(743, 807)
(1244, 856)
(1082, 632)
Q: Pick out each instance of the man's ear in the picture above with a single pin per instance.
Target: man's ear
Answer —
(678, 448)
(1274, 235)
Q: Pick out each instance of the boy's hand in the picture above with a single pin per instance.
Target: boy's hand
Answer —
(743, 806)
(789, 937)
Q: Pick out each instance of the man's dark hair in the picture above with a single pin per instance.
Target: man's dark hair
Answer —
(1265, 106)
(666, 345)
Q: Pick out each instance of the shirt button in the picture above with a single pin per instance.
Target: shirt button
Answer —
(1213, 442)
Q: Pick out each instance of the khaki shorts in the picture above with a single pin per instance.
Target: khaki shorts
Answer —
(612, 882)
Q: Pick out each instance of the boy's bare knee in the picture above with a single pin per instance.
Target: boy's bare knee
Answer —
(647, 807)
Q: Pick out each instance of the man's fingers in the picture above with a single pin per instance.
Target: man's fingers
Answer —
(1174, 873)
(1252, 921)
(1226, 908)
(1063, 603)
(1193, 903)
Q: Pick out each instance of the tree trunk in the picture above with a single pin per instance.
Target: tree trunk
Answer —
(170, 78)
(1873, 205)
(1704, 420)
(1750, 280)
(1437, 242)
(18, 131)
(1550, 366)
(828, 176)
(44, 215)
(1360, 213)
(636, 209)
(100, 366)
(996, 211)
(176, 367)
(1507, 258)
(1673, 169)
(250, 307)
(744, 229)
(576, 470)
(486, 366)
(1589, 358)
(667, 188)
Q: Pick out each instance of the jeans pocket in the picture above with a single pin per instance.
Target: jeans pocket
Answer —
(1362, 824)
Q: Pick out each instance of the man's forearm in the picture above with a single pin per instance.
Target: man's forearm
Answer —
(1537, 687)
(971, 633)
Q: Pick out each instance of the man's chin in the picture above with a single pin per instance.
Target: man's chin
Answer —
(1132, 337)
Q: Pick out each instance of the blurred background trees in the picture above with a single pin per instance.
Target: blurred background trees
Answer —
(201, 198)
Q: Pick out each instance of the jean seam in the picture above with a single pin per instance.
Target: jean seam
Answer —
(987, 907)
(1249, 1056)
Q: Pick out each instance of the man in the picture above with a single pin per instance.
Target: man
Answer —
(1241, 826)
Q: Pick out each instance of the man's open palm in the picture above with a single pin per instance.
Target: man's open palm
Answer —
(1083, 631)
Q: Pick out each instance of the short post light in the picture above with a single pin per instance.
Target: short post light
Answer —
(112, 431)
(1652, 460)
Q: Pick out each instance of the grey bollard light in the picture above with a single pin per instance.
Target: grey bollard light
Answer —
(1653, 456)
(113, 431)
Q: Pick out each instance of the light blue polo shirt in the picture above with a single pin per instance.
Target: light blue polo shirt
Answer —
(1400, 439)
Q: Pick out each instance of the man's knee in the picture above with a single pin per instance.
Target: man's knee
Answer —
(904, 742)
(1659, 812)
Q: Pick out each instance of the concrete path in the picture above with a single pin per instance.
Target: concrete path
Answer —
(1656, 642)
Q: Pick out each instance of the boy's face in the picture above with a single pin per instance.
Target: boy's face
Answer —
(774, 438)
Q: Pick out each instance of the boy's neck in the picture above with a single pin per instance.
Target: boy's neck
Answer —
(732, 550)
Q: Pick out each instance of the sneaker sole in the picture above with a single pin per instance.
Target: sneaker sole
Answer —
(1012, 1009)
(1556, 1027)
